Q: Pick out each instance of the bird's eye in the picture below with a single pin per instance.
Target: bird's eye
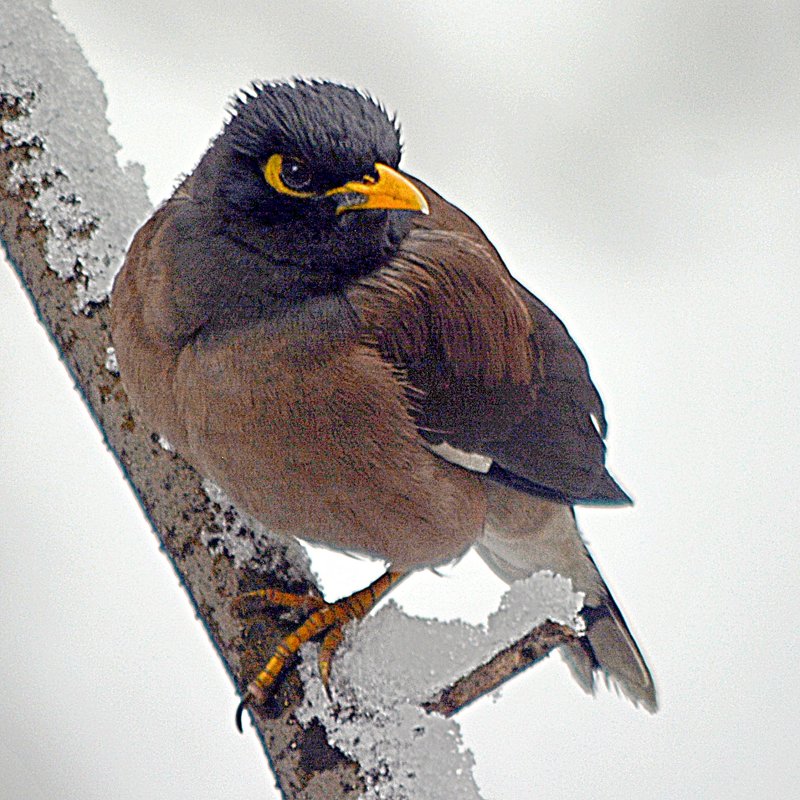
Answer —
(295, 174)
(288, 175)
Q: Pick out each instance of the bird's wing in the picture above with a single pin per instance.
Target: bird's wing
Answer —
(491, 371)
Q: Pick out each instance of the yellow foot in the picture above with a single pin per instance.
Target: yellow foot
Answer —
(327, 618)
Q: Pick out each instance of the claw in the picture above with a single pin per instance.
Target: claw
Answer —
(325, 618)
(239, 711)
(253, 694)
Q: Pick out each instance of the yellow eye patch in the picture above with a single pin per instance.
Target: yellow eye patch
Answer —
(389, 190)
(273, 174)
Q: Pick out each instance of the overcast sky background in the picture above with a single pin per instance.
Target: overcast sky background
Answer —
(638, 168)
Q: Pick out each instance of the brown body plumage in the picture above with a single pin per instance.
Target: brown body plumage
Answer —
(323, 410)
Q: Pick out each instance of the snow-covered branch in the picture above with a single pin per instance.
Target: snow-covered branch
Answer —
(67, 211)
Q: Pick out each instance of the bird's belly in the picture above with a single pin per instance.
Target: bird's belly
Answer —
(325, 449)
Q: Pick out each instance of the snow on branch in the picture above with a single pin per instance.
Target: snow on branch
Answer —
(67, 212)
(401, 676)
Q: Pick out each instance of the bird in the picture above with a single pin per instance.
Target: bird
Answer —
(346, 354)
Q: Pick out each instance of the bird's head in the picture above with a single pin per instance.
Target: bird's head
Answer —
(305, 172)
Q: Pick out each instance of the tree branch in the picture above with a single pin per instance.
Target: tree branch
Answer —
(506, 664)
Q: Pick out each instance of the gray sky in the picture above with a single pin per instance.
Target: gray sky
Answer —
(638, 168)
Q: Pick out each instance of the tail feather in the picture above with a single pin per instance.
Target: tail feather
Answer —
(609, 647)
(526, 534)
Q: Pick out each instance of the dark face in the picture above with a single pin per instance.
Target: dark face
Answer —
(302, 187)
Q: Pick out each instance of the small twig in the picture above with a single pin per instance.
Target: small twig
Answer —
(533, 647)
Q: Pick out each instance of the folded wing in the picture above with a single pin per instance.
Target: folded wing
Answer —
(490, 370)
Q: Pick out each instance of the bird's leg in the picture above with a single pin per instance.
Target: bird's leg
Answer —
(329, 618)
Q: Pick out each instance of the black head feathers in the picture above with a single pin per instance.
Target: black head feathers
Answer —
(279, 236)
(340, 127)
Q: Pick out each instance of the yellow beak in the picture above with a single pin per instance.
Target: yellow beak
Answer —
(391, 190)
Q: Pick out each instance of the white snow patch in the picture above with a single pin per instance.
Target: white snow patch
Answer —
(164, 444)
(111, 361)
(392, 663)
(89, 203)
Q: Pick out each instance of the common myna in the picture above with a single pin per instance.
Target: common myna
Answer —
(345, 353)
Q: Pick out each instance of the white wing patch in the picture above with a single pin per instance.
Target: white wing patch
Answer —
(474, 462)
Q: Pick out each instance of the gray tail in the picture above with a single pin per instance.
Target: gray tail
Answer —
(609, 648)
(525, 534)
